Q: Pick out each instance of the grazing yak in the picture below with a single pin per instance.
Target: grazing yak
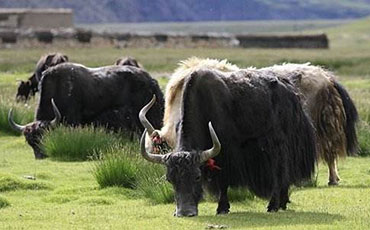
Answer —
(110, 96)
(30, 87)
(328, 104)
(262, 139)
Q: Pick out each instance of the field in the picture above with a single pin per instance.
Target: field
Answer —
(66, 195)
(232, 27)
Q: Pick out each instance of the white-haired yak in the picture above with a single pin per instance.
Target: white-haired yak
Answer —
(109, 96)
(328, 104)
(237, 128)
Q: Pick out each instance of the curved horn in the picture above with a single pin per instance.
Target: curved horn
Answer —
(58, 117)
(215, 150)
(142, 116)
(16, 127)
(155, 158)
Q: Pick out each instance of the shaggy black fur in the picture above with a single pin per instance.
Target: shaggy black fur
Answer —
(351, 119)
(110, 96)
(30, 87)
(267, 140)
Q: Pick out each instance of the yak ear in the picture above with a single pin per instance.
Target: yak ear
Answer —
(118, 61)
(65, 58)
(49, 60)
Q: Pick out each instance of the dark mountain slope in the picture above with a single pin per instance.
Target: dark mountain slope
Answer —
(98, 11)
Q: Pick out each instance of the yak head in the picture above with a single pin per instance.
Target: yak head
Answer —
(127, 61)
(184, 173)
(26, 88)
(34, 130)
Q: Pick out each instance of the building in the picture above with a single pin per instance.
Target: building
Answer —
(13, 18)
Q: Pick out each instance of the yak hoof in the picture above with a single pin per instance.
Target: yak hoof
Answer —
(283, 207)
(222, 212)
(272, 209)
(40, 156)
(333, 183)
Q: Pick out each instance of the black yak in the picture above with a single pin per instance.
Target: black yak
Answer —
(110, 96)
(328, 104)
(262, 138)
(30, 87)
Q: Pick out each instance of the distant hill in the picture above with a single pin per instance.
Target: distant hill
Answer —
(104, 11)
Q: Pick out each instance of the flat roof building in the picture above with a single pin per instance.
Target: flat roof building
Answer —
(36, 18)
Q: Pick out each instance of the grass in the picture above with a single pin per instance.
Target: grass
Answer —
(123, 167)
(23, 113)
(78, 143)
(363, 139)
(66, 194)
(153, 185)
(232, 27)
(11, 183)
(117, 167)
(3, 202)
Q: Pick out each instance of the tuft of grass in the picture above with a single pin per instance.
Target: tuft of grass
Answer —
(11, 183)
(22, 114)
(4, 202)
(117, 168)
(77, 143)
(123, 167)
(363, 139)
(153, 185)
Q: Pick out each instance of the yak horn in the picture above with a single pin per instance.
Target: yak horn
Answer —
(155, 158)
(16, 127)
(215, 150)
(142, 116)
(58, 117)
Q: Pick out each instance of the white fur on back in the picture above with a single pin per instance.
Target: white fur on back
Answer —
(174, 88)
(313, 78)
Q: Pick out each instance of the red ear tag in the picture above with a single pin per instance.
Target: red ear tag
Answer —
(211, 165)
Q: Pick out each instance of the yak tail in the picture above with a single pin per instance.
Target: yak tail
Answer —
(351, 119)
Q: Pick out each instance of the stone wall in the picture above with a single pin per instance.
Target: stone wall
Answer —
(80, 37)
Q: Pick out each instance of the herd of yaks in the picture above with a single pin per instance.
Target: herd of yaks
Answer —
(217, 126)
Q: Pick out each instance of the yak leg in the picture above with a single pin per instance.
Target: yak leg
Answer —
(223, 202)
(333, 172)
(284, 197)
(274, 203)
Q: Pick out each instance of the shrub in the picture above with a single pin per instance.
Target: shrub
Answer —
(77, 143)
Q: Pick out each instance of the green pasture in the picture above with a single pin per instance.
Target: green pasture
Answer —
(66, 193)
